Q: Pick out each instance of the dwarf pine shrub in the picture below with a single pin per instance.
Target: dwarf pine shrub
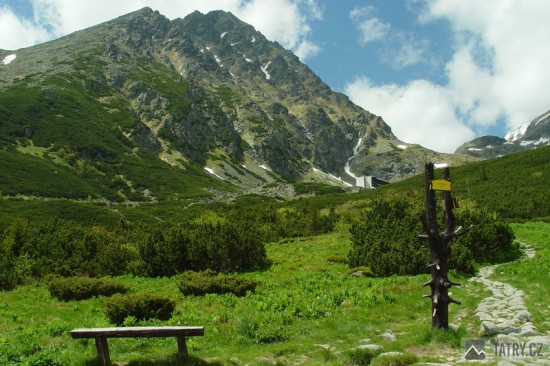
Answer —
(141, 307)
(387, 239)
(80, 288)
(208, 282)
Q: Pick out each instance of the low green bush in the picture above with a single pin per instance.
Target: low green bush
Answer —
(336, 259)
(80, 288)
(394, 359)
(170, 249)
(360, 356)
(208, 282)
(386, 239)
(141, 307)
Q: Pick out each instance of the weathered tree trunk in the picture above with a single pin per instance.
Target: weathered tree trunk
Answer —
(439, 250)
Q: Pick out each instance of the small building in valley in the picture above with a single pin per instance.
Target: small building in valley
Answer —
(369, 182)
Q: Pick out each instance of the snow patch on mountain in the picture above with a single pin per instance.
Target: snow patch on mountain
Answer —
(355, 151)
(246, 58)
(543, 117)
(331, 176)
(339, 179)
(518, 133)
(264, 69)
(540, 141)
(8, 59)
(209, 170)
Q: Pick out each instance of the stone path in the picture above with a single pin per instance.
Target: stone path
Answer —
(506, 324)
(506, 327)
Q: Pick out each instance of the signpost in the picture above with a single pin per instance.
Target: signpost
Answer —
(441, 185)
(439, 245)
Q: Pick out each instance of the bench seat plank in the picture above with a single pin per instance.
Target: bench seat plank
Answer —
(120, 332)
(101, 335)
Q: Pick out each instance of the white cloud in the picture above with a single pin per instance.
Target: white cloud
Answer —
(498, 72)
(515, 79)
(306, 50)
(315, 10)
(371, 28)
(406, 51)
(362, 12)
(399, 49)
(15, 31)
(419, 112)
(281, 20)
(286, 21)
(473, 89)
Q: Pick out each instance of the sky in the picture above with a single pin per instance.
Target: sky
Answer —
(439, 72)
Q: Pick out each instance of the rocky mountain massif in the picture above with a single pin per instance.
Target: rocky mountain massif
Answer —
(529, 136)
(206, 94)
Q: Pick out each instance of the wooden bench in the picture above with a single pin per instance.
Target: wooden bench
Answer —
(101, 335)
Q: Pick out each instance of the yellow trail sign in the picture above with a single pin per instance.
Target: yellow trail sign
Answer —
(441, 185)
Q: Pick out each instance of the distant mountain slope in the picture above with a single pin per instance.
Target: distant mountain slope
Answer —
(514, 186)
(536, 132)
(144, 108)
(529, 136)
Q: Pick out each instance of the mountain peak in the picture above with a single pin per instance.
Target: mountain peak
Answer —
(145, 11)
(217, 24)
(534, 130)
(207, 90)
(531, 135)
(214, 14)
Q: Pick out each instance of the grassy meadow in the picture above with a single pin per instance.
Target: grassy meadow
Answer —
(306, 310)
(532, 275)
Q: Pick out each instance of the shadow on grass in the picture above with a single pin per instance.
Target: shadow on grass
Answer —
(172, 361)
(451, 337)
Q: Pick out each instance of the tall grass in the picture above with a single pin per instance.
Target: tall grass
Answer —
(532, 275)
(305, 309)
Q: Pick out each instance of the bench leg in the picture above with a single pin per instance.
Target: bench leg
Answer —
(103, 351)
(182, 347)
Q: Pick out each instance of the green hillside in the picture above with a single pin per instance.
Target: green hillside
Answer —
(62, 143)
(515, 186)
(520, 195)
